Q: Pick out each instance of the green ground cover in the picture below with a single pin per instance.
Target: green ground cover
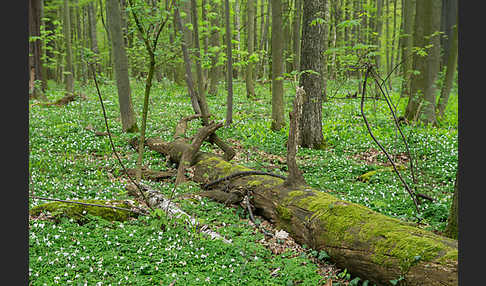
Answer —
(66, 161)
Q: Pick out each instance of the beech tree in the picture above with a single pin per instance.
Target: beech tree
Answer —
(314, 37)
(277, 67)
(128, 116)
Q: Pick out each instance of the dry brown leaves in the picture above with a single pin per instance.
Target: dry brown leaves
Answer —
(281, 243)
(372, 157)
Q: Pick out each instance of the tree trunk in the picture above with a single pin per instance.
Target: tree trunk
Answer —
(452, 228)
(92, 33)
(35, 49)
(250, 84)
(368, 244)
(229, 71)
(379, 28)
(408, 14)
(214, 39)
(314, 37)
(296, 30)
(278, 121)
(128, 116)
(205, 38)
(421, 103)
(264, 44)
(197, 53)
(237, 34)
(69, 61)
(450, 71)
(448, 20)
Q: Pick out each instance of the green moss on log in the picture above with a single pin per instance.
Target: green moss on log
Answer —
(78, 211)
(391, 240)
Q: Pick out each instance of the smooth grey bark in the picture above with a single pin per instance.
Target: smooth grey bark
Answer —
(422, 101)
(296, 30)
(229, 71)
(92, 34)
(128, 116)
(278, 121)
(314, 37)
(68, 70)
(214, 73)
(406, 38)
(250, 85)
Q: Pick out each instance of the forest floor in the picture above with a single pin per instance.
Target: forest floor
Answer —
(68, 161)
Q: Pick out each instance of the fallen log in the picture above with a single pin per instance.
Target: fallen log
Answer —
(368, 244)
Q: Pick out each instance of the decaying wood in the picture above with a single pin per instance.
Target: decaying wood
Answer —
(295, 177)
(158, 201)
(153, 175)
(370, 245)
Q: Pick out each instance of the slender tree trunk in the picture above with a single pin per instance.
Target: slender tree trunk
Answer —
(278, 121)
(67, 39)
(287, 44)
(408, 14)
(250, 85)
(387, 36)
(395, 29)
(197, 54)
(229, 71)
(450, 71)
(215, 70)
(35, 49)
(92, 32)
(314, 39)
(128, 116)
(178, 25)
(205, 38)
(296, 30)
(379, 28)
(237, 35)
(264, 45)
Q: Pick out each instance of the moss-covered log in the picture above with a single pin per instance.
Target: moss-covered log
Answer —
(78, 211)
(368, 244)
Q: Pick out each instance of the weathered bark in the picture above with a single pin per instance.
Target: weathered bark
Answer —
(277, 67)
(313, 44)
(127, 113)
(368, 244)
(295, 177)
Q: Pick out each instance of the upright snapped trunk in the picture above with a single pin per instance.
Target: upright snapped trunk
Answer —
(277, 67)
(313, 44)
(128, 117)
